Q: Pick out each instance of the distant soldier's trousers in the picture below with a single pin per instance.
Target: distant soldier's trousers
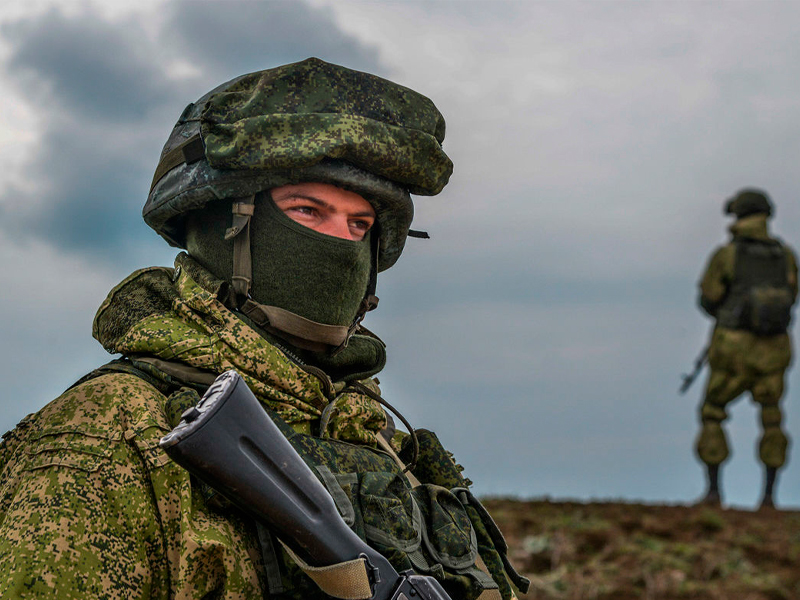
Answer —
(742, 362)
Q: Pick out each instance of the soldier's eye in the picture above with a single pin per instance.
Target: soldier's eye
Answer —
(361, 225)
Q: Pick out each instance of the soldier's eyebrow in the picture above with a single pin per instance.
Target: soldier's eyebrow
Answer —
(364, 213)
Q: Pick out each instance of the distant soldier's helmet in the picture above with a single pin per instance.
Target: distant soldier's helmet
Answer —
(309, 121)
(748, 202)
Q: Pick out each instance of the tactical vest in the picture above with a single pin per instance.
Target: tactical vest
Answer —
(759, 298)
(437, 528)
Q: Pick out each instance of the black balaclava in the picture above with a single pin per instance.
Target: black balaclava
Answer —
(316, 276)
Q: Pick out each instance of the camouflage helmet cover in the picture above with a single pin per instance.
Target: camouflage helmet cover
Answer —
(307, 121)
(748, 202)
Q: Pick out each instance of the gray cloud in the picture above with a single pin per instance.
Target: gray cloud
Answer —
(248, 36)
(101, 96)
(107, 102)
(94, 69)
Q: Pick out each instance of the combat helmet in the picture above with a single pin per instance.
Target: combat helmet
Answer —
(748, 201)
(309, 121)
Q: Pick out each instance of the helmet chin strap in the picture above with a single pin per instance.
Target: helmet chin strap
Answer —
(295, 329)
(239, 232)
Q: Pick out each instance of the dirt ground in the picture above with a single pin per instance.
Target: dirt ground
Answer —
(600, 551)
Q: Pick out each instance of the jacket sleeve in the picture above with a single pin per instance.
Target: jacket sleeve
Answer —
(716, 279)
(77, 517)
(791, 264)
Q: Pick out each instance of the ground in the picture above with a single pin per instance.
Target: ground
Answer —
(605, 550)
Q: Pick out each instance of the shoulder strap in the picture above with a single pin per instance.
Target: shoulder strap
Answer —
(123, 365)
(166, 376)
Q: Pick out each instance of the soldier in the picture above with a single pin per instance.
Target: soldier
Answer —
(749, 288)
(290, 191)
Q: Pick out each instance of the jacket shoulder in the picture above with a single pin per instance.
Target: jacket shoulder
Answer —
(81, 427)
(75, 494)
(720, 262)
(790, 252)
(104, 406)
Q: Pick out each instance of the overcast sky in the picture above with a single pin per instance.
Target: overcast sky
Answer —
(543, 329)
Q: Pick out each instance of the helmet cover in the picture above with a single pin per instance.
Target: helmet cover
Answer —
(309, 121)
(748, 202)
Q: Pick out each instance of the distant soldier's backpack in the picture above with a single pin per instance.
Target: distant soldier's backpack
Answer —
(760, 299)
(769, 310)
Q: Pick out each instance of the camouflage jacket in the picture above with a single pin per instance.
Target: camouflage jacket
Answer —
(733, 349)
(90, 507)
(719, 273)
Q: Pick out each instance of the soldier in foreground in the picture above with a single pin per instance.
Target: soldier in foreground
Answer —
(290, 191)
(749, 288)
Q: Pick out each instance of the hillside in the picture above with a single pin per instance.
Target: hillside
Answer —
(600, 551)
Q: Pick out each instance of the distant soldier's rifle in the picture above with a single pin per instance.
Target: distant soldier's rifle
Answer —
(699, 363)
(229, 442)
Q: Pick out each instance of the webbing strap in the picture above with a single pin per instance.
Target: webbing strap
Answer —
(180, 371)
(465, 497)
(348, 580)
(188, 152)
(491, 591)
(407, 469)
(239, 231)
(274, 580)
(368, 303)
(294, 324)
(387, 447)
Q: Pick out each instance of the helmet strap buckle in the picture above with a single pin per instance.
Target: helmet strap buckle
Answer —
(239, 231)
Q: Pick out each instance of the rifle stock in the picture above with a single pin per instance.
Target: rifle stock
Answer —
(230, 442)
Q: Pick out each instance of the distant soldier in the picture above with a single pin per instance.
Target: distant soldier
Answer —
(749, 287)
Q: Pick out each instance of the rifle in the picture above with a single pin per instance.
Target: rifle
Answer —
(699, 363)
(230, 442)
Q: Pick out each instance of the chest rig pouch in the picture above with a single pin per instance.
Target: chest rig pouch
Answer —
(430, 529)
(760, 299)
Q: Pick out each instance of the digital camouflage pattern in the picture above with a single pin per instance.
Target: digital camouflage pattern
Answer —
(430, 529)
(150, 314)
(297, 114)
(436, 466)
(305, 122)
(90, 506)
(741, 361)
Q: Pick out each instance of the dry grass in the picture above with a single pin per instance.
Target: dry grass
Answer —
(604, 551)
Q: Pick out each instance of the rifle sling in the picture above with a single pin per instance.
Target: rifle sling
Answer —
(347, 580)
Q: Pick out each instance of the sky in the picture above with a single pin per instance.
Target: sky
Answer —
(543, 329)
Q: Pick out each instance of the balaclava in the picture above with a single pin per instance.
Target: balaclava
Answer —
(316, 276)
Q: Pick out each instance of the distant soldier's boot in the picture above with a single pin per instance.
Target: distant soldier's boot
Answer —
(713, 496)
(769, 485)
